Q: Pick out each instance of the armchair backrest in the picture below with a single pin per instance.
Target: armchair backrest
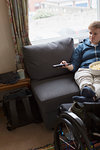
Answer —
(39, 58)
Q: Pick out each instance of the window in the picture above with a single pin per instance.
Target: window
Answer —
(49, 19)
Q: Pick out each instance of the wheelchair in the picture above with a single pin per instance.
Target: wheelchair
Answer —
(73, 132)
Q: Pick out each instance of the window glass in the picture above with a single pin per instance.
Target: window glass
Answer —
(50, 19)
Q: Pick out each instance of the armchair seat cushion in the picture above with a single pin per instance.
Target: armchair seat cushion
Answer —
(50, 93)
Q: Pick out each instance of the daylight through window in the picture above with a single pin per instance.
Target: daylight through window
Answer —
(49, 19)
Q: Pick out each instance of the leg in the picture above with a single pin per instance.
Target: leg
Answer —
(96, 84)
(85, 82)
(84, 78)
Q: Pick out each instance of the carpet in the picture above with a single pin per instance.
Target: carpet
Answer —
(46, 147)
(51, 147)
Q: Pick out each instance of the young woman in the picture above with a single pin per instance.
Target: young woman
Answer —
(86, 53)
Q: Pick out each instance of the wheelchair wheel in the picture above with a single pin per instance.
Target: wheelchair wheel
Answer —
(66, 137)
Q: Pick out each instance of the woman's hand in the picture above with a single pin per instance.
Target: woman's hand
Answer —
(67, 65)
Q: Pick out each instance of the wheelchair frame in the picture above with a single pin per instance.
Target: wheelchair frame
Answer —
(71, 133)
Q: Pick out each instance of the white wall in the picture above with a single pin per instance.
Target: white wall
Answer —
(7, 54)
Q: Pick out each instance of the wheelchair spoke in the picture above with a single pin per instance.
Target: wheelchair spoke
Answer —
(96, 134)
(67, 143)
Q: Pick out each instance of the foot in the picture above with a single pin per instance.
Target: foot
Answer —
(87, 92)
(82, 99)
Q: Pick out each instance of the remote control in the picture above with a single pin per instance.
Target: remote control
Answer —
(58, 65)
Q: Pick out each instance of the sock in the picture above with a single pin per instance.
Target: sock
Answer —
(87, 92)
(82, 99)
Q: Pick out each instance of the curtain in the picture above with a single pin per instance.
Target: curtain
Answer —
(18, 14)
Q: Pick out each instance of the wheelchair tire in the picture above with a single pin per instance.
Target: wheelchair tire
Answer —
(66, 136)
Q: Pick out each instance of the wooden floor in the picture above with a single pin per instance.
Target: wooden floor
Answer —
(23, 138)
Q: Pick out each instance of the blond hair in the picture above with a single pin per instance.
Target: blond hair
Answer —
(94, 25)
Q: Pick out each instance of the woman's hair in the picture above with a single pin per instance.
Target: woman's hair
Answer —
(94, 25)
